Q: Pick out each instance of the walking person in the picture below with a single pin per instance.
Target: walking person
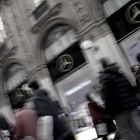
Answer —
(120, 101)
(51, 126)
(97, 114)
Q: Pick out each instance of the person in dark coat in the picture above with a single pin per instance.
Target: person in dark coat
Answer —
(120, 101)
(44, 107)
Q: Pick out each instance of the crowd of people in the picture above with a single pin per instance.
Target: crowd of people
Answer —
(120, 102)
(40, 117)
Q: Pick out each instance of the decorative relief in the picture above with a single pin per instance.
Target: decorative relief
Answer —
(81, 12)
(53, 11)
(6, 52)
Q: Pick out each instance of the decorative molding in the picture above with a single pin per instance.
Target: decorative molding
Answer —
(91, 26)
(8, 62)
(6, 53)
(51, 12)
(81, 12)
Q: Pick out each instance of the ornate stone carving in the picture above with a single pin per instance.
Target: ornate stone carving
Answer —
(53, 11)
(6, 52)
(81, 12)
(96, 9)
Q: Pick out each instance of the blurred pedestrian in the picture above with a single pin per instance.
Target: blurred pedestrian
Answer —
(120, 101)
(50, 124)
(136, 72)
(97, 113)
(7, 130)
(26, 122)
(34, 85)
(39, 92)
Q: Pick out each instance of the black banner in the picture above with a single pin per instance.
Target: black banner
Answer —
(66, 62)
(125, 20)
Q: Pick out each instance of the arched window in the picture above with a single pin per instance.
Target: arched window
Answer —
(14, 76)
(60, 38)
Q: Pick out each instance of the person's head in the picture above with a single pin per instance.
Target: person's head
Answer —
(90, 96)
(34, 85)
(105, 62)
(21, 98)
(135, 69)
(138, 57)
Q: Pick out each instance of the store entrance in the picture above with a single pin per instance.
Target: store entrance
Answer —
(72, 91)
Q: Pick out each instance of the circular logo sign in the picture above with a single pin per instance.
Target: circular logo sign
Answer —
(65, 63)
(133, 13)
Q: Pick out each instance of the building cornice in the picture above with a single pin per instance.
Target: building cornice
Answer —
(53, 11)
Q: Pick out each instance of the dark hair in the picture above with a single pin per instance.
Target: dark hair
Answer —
(138, 57)
(42, 92)
(104, 62)
(34, 85)
(88, 97)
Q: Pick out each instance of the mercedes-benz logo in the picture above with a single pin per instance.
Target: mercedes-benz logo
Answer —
(133, 13)
(64, 63)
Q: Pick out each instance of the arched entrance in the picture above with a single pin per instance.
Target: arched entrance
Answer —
(60, 38)
(14, 75)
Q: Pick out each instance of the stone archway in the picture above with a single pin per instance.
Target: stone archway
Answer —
(9, 70)
(46, 29)
(45, 32)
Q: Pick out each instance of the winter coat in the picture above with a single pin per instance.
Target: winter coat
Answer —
(117, 91)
